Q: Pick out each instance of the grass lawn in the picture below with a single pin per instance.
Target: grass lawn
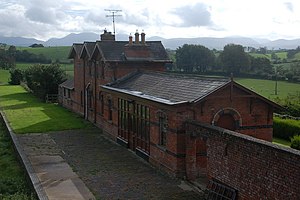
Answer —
(266, 88)
(4, 76)
(281, 142)
(27, 114)
(13, 184)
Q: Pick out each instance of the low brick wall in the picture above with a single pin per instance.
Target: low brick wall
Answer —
(255, 168)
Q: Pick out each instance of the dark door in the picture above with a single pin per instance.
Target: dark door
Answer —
(227, 121)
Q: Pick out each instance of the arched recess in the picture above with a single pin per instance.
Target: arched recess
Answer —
(227, 118)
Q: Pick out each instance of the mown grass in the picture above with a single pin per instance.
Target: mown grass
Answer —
(54, 53)
(281, 142)
(266, 88)
(13, 183)
(27, 114)
(4, 76)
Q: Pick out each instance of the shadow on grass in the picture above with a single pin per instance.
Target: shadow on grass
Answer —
(28, 114)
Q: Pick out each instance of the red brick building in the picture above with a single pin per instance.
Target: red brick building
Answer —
(122, 87)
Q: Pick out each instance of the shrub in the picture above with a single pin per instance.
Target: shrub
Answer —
(285, 128)
(295, 142)
(44, 79)
(16, 76)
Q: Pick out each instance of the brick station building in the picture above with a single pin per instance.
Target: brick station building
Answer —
(123, 88)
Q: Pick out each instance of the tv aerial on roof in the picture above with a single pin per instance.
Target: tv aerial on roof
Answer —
(113, 15)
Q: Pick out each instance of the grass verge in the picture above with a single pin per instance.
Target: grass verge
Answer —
(27, 114)
(13, 183)
(282, 142)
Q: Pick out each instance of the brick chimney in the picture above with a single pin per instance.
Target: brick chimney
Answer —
(143, 40)
(130, 39)
(107, 36)
(137, 37)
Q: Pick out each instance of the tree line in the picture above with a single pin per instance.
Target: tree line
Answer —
(233, 59)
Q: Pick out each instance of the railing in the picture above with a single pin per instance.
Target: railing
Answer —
(51, 98)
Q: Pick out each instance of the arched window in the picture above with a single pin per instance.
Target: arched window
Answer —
(227, 118)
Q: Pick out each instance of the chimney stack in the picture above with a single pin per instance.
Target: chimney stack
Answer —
(137, 37)
(143, 40)
(130, 39)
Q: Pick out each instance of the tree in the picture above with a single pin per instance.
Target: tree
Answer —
(194, 57)
(16, 76)
(261, 64)
(44, 79)
(234, 59)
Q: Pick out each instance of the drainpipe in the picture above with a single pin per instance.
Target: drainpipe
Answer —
(86, 100)
(95, 94)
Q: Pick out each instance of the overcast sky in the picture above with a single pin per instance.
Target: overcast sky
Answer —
(44, 19)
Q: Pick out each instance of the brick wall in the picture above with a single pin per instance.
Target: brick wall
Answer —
(255, 168)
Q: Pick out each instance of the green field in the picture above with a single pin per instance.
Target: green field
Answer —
(13, 184)
(266, 88)
(54, 53)
(4, 76)
(259, 55)
(27, 114)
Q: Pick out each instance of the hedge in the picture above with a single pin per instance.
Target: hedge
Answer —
(285, 128)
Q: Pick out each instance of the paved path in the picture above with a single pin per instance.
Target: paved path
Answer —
(107, 169)
(55, 175)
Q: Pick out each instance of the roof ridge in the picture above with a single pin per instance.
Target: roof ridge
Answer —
(188, 75)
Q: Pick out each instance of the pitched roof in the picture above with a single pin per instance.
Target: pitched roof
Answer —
(75, 50)
(69, 84)
(116, 51)
(88, 48)
(167, 88)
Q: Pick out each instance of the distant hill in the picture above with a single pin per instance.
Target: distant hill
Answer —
(19, 41)
(72, 38)
(283, 44)
(209, 42)
(174, 43)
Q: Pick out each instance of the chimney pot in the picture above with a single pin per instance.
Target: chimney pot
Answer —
(130, 39)
(137, 37)
(143, 39)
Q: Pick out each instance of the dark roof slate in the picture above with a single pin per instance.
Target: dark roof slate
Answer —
(89, 47)
(69, 84)
(168, 88)
(115, 51)
(76, 49)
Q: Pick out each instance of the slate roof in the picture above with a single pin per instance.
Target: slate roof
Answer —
(69, 84)
(167, 88)
(115, 51)
(88, 47)
(76, 49)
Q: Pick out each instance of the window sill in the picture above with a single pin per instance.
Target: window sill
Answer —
(163, 148)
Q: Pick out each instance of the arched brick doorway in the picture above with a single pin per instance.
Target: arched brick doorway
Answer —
(227, 118)
(226, 121)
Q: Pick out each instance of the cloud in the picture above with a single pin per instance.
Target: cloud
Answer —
(196, 15)
(289, 6)
(41, 15)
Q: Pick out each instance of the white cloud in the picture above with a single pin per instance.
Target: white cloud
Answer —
(44, 19)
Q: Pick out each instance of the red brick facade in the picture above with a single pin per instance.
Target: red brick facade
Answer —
(254, 168)
(153, 129)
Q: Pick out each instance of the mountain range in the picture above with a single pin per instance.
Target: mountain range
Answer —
(174, 43)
